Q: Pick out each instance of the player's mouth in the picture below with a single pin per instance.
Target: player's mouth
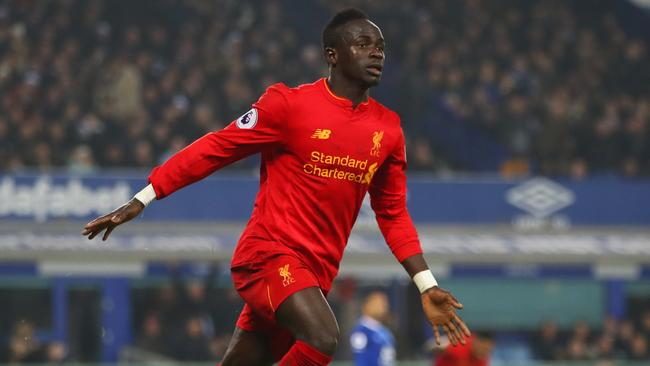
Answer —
(375, 69)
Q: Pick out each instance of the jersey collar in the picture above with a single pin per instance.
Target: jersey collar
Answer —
(340, 101)
(371, 323)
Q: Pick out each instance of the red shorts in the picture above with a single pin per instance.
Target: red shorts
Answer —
(264, 284)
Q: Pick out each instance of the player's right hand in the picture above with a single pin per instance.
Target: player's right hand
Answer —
(108, 222)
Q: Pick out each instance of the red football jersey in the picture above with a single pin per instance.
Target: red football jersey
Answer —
(319, 158)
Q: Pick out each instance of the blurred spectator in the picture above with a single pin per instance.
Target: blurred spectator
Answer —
(581, 332)
(547, 345)
(151, 338)
(56, 353)
(577, 350)
(610, 326)
(604, 348)
(372, 343)
(645, 324)
(578, 169)
(639, 348)
(516, 167)
(625, 336)
(23, 346)
(614, 341)
(118, 90)
(193, 344)
(81, 160)
(475, 352)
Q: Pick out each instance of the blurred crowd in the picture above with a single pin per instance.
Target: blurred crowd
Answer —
(189, 315)
(186, 320)
(553, 87)
(23, 346)
(192, 317)
(88, 84)
(559, 84)
(616, 340)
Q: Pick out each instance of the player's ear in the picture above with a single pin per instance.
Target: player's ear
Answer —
(330, 56)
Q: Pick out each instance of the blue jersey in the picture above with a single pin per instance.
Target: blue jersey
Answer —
(372, 344)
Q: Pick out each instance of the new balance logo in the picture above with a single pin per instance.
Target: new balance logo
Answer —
(321, 134)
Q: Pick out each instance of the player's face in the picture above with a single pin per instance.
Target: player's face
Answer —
(376, 306)
(360, 54)
(482, 347)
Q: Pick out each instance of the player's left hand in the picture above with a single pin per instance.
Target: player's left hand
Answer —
(440, 309)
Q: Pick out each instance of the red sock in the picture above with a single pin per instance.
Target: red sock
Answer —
(302, 354)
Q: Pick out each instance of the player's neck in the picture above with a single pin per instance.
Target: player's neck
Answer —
(348, 89)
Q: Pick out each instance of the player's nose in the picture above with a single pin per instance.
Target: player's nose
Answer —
(377, 53)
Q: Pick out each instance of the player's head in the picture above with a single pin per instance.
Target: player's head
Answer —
(375, 306)
(193, 326)
(354, 47)
(482, 344)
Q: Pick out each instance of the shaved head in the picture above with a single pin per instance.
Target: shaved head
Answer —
(331, 34)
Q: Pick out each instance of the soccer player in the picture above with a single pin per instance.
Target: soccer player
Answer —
(324, 146)
(372, 343)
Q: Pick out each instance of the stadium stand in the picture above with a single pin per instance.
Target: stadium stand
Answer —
(552, 87)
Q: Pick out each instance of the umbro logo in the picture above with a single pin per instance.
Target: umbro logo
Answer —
(321, 134)
(540, 197)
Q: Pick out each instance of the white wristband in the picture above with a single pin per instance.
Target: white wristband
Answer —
(146, 195)
(424, 280)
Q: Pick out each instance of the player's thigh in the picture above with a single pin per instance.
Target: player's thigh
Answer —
(247, 349)
(308, 316)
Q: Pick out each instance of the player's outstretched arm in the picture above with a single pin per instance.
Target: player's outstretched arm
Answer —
(439, 305)
(257, 129)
